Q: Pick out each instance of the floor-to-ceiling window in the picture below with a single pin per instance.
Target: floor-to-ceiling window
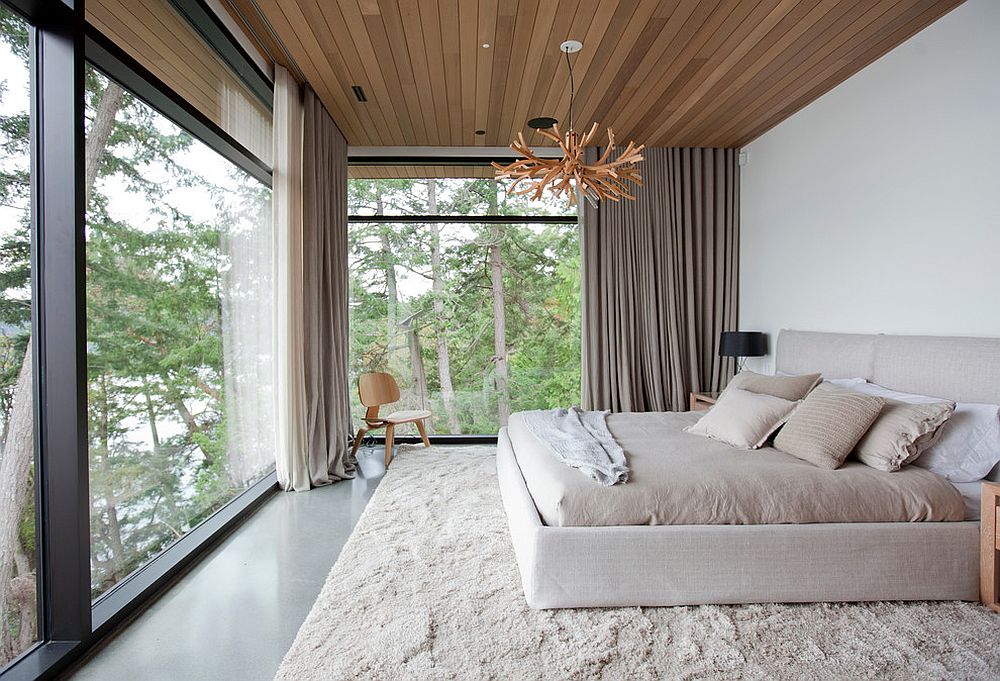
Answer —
(135, 310)
(18, 561)
(178, 330)
(477, 313)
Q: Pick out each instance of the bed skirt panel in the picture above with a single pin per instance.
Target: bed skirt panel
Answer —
(575, 567)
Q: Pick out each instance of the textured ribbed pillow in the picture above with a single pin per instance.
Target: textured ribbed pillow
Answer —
(901, 433)
(742, 418)
(827, 425)
(791, 388)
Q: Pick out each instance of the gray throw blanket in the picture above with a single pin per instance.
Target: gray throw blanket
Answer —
(580, 439)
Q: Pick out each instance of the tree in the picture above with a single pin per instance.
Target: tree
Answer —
(441, 334)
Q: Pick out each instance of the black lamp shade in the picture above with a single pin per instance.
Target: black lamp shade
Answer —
(742, 344)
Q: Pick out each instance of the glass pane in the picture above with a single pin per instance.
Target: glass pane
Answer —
(153, 33)
(17, 498)
(178, 330)
(459, 195)
(474, 321)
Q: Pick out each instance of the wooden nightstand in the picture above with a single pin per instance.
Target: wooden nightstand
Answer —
(701, 401)
(989, 545)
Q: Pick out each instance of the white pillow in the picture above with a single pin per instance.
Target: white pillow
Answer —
(743, 419)
(968, 444)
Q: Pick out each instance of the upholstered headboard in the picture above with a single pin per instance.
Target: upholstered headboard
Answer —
(954, 368)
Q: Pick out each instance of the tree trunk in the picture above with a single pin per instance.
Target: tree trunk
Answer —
(391, 288)
(416, 361)
(99, 133)
(437, 277)
(499, 316)
(14, 466)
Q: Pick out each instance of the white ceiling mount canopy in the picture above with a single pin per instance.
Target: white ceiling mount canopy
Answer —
(570, 46)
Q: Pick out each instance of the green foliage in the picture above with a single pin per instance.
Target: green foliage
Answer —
(541, 278)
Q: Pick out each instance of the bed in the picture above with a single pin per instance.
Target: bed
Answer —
(854, 534)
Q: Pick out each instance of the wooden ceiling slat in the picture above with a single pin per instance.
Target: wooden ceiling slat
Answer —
(662, 72)
(350, 36)
(739, 44)
(484, 64)
(880, 43)
(468, 34)
(759, 78)
(540, 42)
(675, 64)
(788, 88)
(448, 30)
(801, 19)
(425, 60)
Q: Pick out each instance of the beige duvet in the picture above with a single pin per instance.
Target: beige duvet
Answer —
(681, 479)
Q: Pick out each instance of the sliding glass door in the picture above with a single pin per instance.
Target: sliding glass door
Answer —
(470, 298)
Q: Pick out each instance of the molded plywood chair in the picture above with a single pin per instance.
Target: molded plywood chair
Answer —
(377, 390)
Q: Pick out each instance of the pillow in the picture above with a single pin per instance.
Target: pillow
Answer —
(792, 388)
(845, 382)
(968, 445)
(901, 433)
(827, 425)
(965, 448)
(742, 418)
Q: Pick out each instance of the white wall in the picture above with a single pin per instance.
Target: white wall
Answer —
(876, 209)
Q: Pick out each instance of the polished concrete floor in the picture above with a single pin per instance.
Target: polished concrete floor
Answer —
(235, 614)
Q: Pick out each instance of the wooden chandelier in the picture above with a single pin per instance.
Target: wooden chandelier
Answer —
(605, 179)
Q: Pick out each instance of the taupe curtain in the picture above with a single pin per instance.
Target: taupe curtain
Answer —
(311, 288)
(325, 293)
(660, 283)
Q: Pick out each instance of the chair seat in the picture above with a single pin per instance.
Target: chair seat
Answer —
(406, 416)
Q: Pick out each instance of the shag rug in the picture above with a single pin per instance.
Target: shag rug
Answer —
(427, 588)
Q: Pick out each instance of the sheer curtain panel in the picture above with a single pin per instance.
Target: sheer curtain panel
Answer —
(660, 282)
(310, 215)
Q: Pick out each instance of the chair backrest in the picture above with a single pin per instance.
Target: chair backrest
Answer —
(377, 389)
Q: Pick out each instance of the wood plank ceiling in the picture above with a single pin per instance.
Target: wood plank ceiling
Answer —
(672, 73)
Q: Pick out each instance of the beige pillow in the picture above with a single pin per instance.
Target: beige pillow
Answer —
(791, 388)
(901, 433)
(742, 418)
(827, 425)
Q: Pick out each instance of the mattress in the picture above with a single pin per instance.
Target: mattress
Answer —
(681, 479)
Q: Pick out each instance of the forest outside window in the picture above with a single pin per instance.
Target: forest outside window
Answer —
(178, 331)
(18, 556)
(475, 318)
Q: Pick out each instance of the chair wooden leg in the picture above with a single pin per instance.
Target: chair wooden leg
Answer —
(423, 433)
(357, 441)
(389, 436)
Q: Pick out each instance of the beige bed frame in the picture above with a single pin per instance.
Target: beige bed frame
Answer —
(570, 567)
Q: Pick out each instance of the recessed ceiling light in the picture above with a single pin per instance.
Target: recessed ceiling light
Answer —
(486, 46)
(480, 132)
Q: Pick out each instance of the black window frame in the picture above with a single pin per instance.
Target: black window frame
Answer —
(69, 622)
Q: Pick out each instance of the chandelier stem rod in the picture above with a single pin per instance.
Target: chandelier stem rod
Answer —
(569, 64)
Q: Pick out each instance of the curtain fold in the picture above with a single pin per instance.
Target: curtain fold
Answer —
(660, 282)
(325, 293)
(310, 275)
